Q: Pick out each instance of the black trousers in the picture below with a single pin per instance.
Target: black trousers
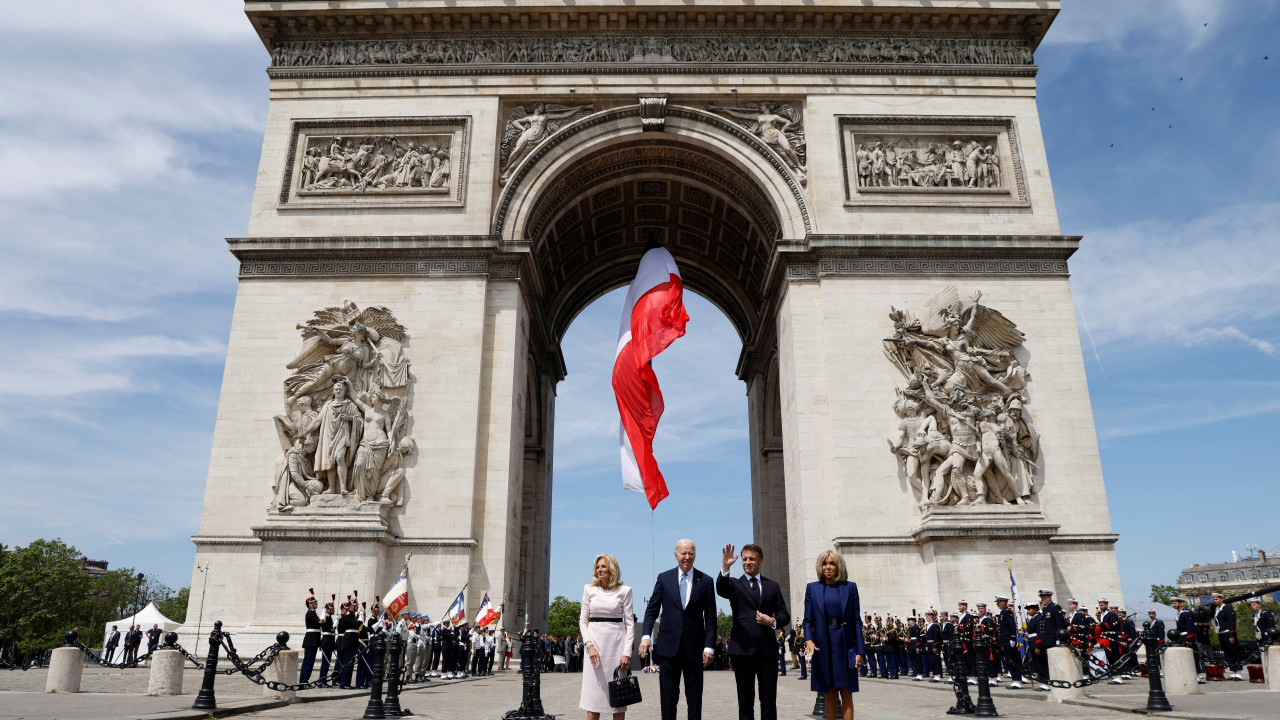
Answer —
(671, 669)
(750, 672)
(308, 663)
(1012, 660)
(1232, 653)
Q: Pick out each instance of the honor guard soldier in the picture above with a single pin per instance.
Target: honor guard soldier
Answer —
(1128, 636)
(1186, 629)
(1007, 621)
(914, 649)
(948, 643)
(1264, 622)
(1224, 617)
(932, 647)
(408, 630)
(1054, 618)
(964, 634)
(349, 643)
(868, 628)
(327, 644)
(364, 663)
(311, 640)
(1157, 626)
(987, 626)
(1038, 644)
(892, 648)
(1112, 635)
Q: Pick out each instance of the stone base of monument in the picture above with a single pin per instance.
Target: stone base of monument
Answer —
(166, 673)
(1180, 672)
(65, 666)
(283, 670)
(1064, 666)
(1271, 668)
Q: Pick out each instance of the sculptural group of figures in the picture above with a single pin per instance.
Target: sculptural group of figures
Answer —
(344, 431)
(780, 126)
(970, 163)
(964, 437)
(589, 48)
(378, 163)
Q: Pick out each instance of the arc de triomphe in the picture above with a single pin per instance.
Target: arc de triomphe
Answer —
(861, 187)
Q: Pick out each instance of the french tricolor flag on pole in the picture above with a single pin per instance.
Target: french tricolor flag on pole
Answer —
(653, 317)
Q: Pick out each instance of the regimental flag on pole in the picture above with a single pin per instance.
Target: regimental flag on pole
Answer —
(397, 598)
(486, 614)
(653, 317)
(457, 612)
(1019, 610)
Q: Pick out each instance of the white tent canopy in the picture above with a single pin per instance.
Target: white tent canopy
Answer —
(146, 617)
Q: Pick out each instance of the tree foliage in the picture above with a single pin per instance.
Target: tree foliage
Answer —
(44, 593)
(1162, 593)
(724, 623)
(562, 616)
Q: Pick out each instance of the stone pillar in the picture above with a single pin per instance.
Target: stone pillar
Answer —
(1180, 672)
(166, 673)
(1271, 668)
(283, 670)
(1064, 666)
(65, 666)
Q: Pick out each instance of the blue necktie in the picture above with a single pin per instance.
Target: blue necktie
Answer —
(684, 589)
(755, 588)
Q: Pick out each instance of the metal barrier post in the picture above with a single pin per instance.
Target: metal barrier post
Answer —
(205, 699)
(377, 648)
(1156, 700)
(985, 707)
(391, 706)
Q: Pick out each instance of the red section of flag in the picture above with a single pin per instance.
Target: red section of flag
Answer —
(657, 320)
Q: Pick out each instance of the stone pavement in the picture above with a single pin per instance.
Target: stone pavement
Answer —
(118, 694)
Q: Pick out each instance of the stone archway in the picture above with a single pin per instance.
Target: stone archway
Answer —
(583, 207)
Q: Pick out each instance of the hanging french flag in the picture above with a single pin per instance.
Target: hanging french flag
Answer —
(397, 598)
(653, 317)
(486, 614)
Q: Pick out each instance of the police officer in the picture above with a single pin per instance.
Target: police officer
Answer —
(311, 640)
(1186, 628)
(1007, 621)
(1224, 617)
(1038, 644)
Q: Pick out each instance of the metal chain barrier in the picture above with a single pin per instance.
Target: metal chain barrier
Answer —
(41, 661)
(1104, 670)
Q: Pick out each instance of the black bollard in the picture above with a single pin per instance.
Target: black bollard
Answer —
(820, 706)
(71, 638)
(205, 699)
(391, 706)
(959, 680)
(170, 639)
(1156, 700)
(374, 710)
(985, 707)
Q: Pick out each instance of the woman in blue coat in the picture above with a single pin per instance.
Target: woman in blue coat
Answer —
(833, 626)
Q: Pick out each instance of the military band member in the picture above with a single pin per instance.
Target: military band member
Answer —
(870, 665)
(1128, 636)
(1112, 632)
(1036, 641)
(964, 634)
(1007, 621)
(311, 640)
(915, 655)
(1224, 617)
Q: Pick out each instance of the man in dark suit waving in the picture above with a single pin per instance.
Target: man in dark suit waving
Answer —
(758, 609)
(683, 597)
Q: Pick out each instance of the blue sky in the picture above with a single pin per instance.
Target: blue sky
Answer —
(132, 131)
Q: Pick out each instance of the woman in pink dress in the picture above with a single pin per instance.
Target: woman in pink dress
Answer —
(608, 632)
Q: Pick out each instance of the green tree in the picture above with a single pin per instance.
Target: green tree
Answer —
(1162, 593)
(42, 595)
(562, 616)
(174, 607)
(724, 623)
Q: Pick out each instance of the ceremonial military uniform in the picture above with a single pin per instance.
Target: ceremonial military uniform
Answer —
(327, 643)
(1112, 635)
(933, 649)
(869, 631)
(1264, 622)
(914, 647)
(1007, 638)
(310, 640)
(947, 650)
(1224, 617)
(1186, 631)
(1039, 645)
(349, 634)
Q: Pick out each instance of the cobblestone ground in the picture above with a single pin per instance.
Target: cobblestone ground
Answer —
(119, 694)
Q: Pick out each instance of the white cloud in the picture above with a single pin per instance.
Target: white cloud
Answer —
(1185, 283)
(90, 366)
(129, 22)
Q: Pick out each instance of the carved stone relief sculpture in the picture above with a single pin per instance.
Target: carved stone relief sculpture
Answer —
(579, 48)
(527, 127)
(780, 126)
(344, 429)
(964, 436)
(910, 162)
(416, 164)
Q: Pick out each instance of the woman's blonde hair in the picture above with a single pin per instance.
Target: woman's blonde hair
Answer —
(615, 573)
(842, 573)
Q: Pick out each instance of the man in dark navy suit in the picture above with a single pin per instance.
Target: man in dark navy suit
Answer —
(758, 610)
(684, 599)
